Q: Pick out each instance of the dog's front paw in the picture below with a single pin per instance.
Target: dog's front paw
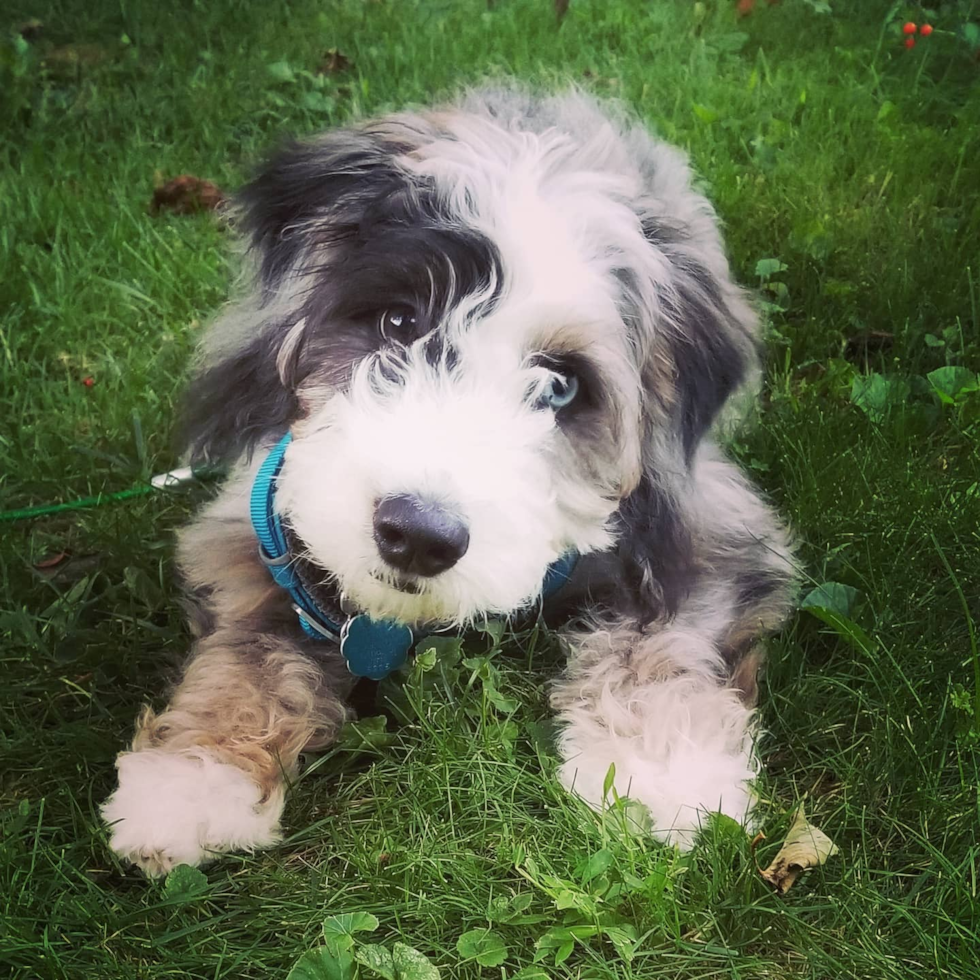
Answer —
(682, 757)
(678, 798)
(186, 808)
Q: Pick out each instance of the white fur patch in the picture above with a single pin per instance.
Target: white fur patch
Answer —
(186, 808)
(682, 748)
(467, 441)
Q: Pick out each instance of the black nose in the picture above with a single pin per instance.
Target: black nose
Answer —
(418, 537)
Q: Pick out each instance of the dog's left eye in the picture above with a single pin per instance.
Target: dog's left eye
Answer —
(560, 391)
(398, 323)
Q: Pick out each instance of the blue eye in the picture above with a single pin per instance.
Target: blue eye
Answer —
(561, 391)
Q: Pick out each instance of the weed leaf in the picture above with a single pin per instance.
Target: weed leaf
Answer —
(482, 945)
(323, 963)
(378, 959)
(731, 42)
(282, 71)
(365, 735)
(952, 383)
(594, 866)
(494, 628)
(765, 268)
(503, 704)
(185, 883)
(832, 596)
(338, 930)
(609, 781)
(876, 394)
(831, 603)
(531, 973)
(623, 937)
(846, 628)
(410, 964)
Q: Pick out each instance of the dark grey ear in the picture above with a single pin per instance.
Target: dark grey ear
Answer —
(704, 330)
(703, 348)
(327, 180)
(306, 195)
(655, 549)
(711, 344)
(235, 402)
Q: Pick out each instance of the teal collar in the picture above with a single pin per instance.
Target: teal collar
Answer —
(371, 647)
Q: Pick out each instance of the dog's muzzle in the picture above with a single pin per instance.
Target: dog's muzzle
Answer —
(420, 538)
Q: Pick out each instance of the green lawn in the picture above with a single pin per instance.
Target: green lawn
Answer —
(827, 146)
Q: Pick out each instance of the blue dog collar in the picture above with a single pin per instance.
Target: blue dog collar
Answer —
(371, 647)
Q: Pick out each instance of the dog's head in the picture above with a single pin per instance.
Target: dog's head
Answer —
(498, 333)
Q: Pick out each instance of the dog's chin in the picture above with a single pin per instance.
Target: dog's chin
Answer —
(448, 599)
(414, 602)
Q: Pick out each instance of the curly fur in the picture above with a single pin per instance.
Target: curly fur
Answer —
(520, 241)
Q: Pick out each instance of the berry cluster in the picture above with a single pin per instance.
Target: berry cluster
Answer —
(910, 30)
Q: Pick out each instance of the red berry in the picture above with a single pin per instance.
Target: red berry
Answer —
(926, 30)
(88, 382)
(910, 42)
(909, 28)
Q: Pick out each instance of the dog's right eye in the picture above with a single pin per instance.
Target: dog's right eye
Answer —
(560, 391)
(398, 324)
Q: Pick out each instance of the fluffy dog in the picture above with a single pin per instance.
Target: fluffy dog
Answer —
(500, 334)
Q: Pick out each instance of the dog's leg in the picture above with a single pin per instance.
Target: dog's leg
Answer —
(671, 704)
(653, 705)
(207, 775)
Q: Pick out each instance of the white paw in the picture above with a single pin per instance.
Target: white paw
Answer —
(186, 808)
(682, 757)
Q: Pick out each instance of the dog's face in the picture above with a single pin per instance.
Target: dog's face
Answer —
(486, 332)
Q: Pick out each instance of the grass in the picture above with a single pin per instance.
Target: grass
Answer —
(827, 146)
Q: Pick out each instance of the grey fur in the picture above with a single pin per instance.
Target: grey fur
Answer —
(411, 211)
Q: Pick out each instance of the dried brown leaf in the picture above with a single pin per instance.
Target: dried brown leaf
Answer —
(805, 847)
(52, 560)
(67, 569)
(186, 195)
(334, 62)
(31, 29)
(871, 342)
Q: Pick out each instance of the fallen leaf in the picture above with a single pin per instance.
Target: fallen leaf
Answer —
(186, 195)
(805, 847)
(744, 7)
(334, 62)
(31, 29)
(561, 8)
(68, 569)
(872, 342)
(52, 560)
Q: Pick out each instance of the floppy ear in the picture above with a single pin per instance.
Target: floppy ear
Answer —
(701, 348)
(709, 339)
(655, 549)
(233, 403)
(304, 198)
(330, 180)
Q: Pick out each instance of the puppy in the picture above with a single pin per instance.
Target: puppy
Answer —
(477, 375)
